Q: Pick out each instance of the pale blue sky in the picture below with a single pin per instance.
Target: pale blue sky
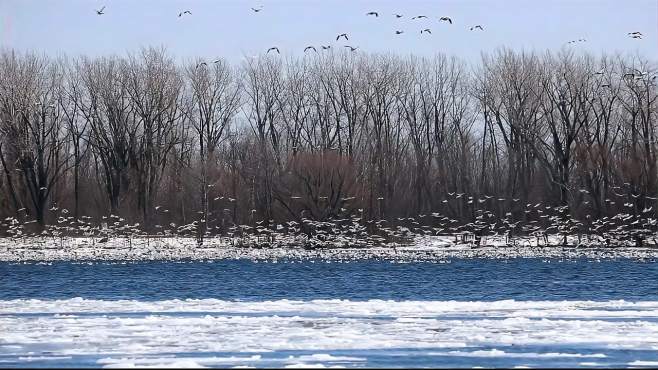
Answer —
(230, 29)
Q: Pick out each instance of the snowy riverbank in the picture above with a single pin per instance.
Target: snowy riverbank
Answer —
(341, 249)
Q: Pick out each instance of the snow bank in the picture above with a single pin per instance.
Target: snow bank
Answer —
(422, 248)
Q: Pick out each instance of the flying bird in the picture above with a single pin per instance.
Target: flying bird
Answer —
(185, 12)
(419, 17)
(399, 32)
(446, 19)
(373, 13)
(326, 47)
(256, 10)
(310, 47)
(342, 35)
(637, 36)
(274, 48)
(426, 30)
(202, 64)
(352, 48)
(635, 33)
(100, 11)
(398, 15)
(478, 26)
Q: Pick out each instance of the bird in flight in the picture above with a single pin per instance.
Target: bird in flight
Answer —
(202, 64)
(326, 47)
(419, 17)
(274, 48)
(310, 47)
(635, 33)
(399, 32)
(185, 12)
(352, 48)
(426, 30)
(373, 13)
(100, 11)
(256, 10)
(446, 19)
(636, 36)
(217, 61)
(342, 35)
(398, 15)
(478, 26)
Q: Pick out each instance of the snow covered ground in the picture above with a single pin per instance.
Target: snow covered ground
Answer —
(327, 333)
(182, 248)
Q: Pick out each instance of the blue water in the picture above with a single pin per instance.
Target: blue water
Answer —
(460, 279)
(243, 280)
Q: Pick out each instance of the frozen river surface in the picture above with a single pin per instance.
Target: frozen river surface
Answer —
(459, 313)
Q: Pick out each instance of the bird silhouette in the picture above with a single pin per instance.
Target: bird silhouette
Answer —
(446, 19)
(100, 11)
(326, 47)
(373, 13)
(419, 17)
(274, 48)
(352, 48)
(342, 35)
(256, 10)
(399, 32)
(398, 15)
(185, 12)
(477, 27)
(202, 64)
(310, 47)
(426, 30)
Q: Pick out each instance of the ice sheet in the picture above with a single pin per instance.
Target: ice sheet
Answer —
(210, 332)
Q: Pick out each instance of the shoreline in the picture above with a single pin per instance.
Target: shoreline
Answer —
(419, 249)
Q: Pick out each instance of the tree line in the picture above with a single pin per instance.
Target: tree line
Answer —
(324, 137)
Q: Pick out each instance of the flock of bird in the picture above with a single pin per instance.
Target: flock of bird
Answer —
(375, 14)
(634, 35)
(488, 216)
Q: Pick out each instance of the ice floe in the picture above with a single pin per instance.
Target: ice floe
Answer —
(328, 333)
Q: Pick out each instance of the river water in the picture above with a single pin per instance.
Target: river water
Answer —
(368, 313)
